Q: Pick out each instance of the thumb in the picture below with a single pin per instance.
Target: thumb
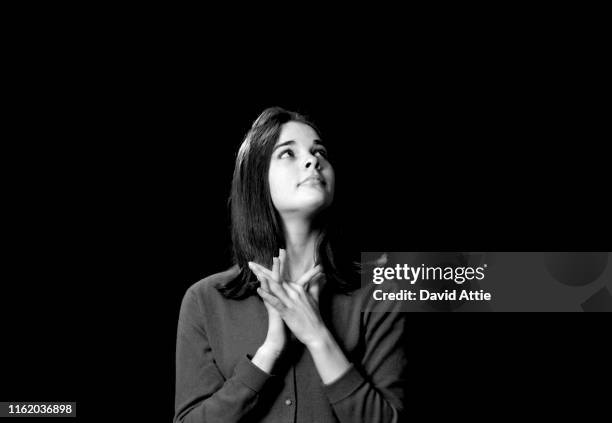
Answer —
(314, 286)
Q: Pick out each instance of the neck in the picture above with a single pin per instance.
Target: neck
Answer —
(301, 242)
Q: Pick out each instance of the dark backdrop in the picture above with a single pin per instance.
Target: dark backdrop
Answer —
(116, 185)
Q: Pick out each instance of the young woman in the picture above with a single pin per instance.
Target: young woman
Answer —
(282, 336)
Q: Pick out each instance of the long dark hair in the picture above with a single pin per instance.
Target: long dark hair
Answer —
(257, 231)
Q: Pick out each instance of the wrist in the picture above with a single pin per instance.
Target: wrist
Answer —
(323, 341)
(270, 350)
(265, 359)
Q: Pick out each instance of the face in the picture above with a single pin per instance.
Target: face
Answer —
(301, 178)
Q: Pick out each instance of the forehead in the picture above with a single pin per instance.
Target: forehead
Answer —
(297, 131)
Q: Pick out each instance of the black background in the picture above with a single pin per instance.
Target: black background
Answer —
(117, 164)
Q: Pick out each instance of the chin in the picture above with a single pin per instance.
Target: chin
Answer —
(317, 199)
(311, 205)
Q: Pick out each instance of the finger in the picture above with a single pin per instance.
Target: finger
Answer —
(265, 285)
(276, 286)
(282, 256)
(261, 269)
(275, 267)
(293, 290)
(310, 274)
(317, 280)
(314, 287)
(278, 289)
(271, 300)
(272, 284)
(263, 281)
(312, 301)
(314, 293)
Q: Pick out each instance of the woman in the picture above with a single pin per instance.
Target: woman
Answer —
(281, 337)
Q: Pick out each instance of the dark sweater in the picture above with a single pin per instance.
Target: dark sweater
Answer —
(217, 382)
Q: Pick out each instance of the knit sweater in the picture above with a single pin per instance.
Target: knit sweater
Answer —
(217, 382)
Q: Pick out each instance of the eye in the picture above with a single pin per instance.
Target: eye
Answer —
(288, 152)
(321, 152)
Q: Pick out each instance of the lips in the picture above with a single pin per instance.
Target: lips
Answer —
(313, 179)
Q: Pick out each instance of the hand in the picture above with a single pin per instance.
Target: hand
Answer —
(276, 338)
(295, 303)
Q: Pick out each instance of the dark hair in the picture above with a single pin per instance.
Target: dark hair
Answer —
(257, 231)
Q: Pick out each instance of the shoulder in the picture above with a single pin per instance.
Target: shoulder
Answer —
(205, 290)
(210, 283)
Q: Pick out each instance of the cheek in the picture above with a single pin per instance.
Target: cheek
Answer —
(279, 181)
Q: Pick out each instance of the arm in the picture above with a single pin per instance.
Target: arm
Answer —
(328, 358)
(202, 392)
(373, 391)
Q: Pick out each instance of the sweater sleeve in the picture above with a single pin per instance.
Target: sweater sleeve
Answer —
(374, 390)
(202, 392)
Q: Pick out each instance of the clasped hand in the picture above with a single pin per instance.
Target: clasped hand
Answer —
(295, 302)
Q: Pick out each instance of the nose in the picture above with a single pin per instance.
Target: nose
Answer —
(313, 161)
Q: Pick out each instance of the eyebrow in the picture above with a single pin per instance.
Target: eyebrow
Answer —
(291, 142)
